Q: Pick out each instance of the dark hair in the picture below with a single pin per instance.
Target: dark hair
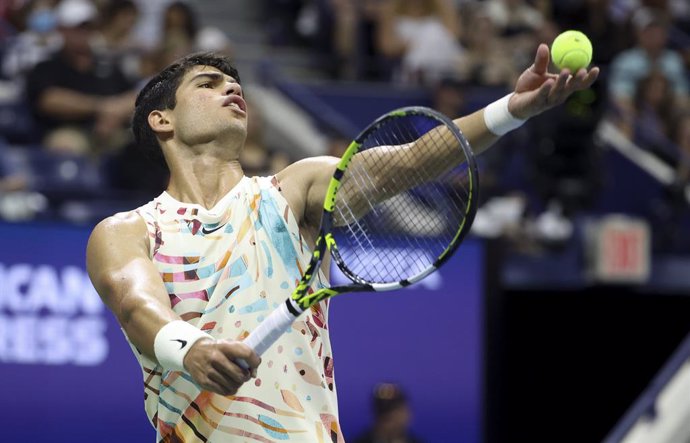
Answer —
(386, 398)
(159, 94)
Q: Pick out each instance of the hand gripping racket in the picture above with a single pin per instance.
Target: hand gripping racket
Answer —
(399, 204)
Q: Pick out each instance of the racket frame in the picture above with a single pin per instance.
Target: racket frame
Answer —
(326, 242)
(303, 296)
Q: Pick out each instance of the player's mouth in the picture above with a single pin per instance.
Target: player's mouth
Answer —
(236, 102)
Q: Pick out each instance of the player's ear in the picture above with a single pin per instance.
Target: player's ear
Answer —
(160, 121)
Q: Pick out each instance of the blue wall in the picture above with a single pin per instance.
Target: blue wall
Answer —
(427, 338)
(68, 375)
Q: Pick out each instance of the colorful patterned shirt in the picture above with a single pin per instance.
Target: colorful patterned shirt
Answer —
(225, 270)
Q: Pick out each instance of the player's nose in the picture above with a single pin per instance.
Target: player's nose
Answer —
(233, 88)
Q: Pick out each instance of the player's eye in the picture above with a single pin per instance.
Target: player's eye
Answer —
(206, 85)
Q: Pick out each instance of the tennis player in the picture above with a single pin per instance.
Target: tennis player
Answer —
(189, 274)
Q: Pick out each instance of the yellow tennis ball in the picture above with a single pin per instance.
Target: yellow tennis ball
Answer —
(572, 50)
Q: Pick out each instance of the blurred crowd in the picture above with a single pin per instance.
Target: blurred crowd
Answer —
(70, 71)
(73, 67)
(455, 47)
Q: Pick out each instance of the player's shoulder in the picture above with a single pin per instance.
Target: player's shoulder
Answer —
(125, 226)
(115, 241)
(306, 167)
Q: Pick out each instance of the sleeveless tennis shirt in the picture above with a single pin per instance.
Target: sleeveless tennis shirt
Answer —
(225, 270)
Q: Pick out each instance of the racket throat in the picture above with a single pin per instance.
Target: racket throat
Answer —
(293, 307)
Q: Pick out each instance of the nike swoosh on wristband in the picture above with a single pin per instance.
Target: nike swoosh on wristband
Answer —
(183, 343)
(211, 231)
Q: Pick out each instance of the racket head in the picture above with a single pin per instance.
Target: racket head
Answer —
(406, 236)
(385, 223)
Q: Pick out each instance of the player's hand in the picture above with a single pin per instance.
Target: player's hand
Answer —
(537, 89)
(211, 363)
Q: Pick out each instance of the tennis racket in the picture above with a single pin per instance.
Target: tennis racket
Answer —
(400, 202)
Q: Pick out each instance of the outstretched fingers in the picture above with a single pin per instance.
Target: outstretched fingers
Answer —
(558, 90)
(582, 79)
(590, 77)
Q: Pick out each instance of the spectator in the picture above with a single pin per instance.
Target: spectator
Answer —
(82, 101)
(180, 28)
(518, 22)
(12, 16)
(675, 10)
(650, 53)
(654, 110)
(148, 29)
(423, 35)
(344, 20)
(489, 61)
(114, 39)
(181, 35)
(34, 44)
(392, 417)
(343, 37)
(280, 17)
(514, 17)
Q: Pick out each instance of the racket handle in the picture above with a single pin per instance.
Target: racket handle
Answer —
(270, 330)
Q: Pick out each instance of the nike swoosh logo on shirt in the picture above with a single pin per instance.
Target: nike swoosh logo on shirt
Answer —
(211, 231)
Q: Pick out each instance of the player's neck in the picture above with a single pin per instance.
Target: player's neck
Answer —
(203, 180)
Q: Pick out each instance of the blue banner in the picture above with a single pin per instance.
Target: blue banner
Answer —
(68, 375)
(427, 338)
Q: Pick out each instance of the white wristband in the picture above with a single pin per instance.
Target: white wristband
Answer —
(498, 119)
(173, 341)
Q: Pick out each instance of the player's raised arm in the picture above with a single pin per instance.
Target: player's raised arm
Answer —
(120, 269)
(536, 91)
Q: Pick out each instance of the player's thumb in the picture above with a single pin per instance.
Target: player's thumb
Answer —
(541, 59)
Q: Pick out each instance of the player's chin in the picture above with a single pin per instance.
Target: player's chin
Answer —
(237, 128)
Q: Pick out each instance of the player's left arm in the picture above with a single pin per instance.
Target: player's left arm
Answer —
(536, 91)
(436, 151)
(305, 182)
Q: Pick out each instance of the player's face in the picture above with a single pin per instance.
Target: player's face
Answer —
(209, 107)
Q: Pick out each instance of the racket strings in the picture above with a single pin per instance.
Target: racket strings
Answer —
(364, 243)
(393, 230)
